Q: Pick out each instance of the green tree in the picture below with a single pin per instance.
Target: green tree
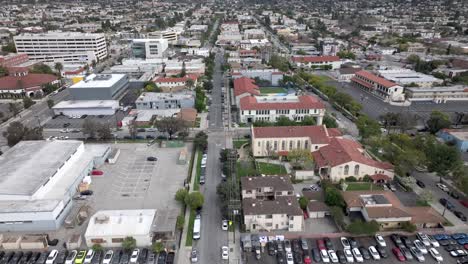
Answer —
(180, 195)
(3, 71)
(426, 197)
(329, 122)
(16, 132)
(284, 121)
(171, 125)
(90, 128)
(279, 63)
(303, 202)
(59, 67)
(409, 227)
(41, 68)
(333, 197)
(443, 159)
(28, 102)
(13, 108)
(413, 59)
(308, 121)
(158, 247)
(180, 222)
(10, 47)
(338, 216)
(208, 85)
(201, 140)
(50, 103)
(300, 157)
(97, 248)
(367, 127)
(437, 121)
(104, 131)
(194, 200)
(128, 244)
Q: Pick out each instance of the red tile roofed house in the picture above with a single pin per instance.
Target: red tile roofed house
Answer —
(169, 84)
(29, 84)
(317, 61)
(269, 108)
(243, 87)
(283, 139)
(344, 158)
(383, 88)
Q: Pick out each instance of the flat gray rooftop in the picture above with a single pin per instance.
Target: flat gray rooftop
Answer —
(29, 164)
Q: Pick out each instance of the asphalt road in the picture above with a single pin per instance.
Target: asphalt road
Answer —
(273, 38)
(37, 114)
(212, 236)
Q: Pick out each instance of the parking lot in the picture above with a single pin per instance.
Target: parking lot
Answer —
(362, 241)
(135, 183)
(58, 122)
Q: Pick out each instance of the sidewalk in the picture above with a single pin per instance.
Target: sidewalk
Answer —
(183, 256)
(235, 250)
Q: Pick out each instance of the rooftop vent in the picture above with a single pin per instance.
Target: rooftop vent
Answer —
(101, 219)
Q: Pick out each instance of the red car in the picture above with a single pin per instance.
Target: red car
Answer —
(307, 259)
(465, 246)
(97, 172)
(398, 254)
(321, 244)
(306, 215)
(464, 203)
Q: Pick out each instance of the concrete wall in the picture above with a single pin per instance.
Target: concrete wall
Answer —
(273, 115)
(338, 172)
(107, 241)
(260, 145)
(84, 111)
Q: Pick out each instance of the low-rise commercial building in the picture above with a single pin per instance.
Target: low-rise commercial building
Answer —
(317, 62)
(269, 108)
(383, 88)
(86, 107)
(100, 87)
(165, 100)
(407, 77)
(149, 48)
(440, 94)
(269, 203)
(38, 180)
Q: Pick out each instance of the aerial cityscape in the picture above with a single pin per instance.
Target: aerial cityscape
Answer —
(216, 132)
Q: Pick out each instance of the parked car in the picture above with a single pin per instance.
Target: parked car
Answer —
(349, 255)
(352, 242)
(287, 245)
(297, 257)
(382, 251)
(97, 172)
(71, 257)
(315, 254)
(321, 244)
(224, 253)
(374, 253)
(458, 253)
(459, 236)
(162, 257)
(460, 215)
(16, 257)
(365, 253)
(62, 256)
(108, 257)
(194, 256)
(304, 244)
(439, 237)
(333, 256)
(357, 255)
(89, 256)
(420, 184)
(296, 245)
(447, 204)
(25, 258)
(280, 257)
(406, 241)
(380, 240)
(307, 259)
(417, 254)
(289, 258)
(436, 255)
(419, 245)
(116, 257)
(271, 248)
(151, 158)
(34, 257)
(454, 195)
(396, 240)
(433, 241)
(406, 252)
(170, 258)
(328, 243)
(345, 243)
(42, 258)
(134, 255)
(464, 203)
(443, 187)
(463, 260)
(324, 256)
(398, 254)
(97, 257)
(341, 256)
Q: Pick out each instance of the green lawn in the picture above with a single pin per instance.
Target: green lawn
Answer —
(239, 142)
(188, 241)
(245, 168)
(363, 186)
(271, 169)
(196, 184)
(272, 90)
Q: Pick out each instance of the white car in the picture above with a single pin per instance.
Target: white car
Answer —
(224, 225)
(374, 253)
(224, 253)
(289, 258)
(71, 257)
(357, 255)
(436, 255)
(443, 187)
(458, 253)
(424, 239)
(108, 257)
(419, 245)
(345, 243)
(324, 256)
(333, 256)
(52, 256)
(348, 255)
(134, 256)
(203, 161)
(434, 242)
(89, 256)
(380, 240)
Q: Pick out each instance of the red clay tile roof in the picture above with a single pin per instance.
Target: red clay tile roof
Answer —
(342, 150)
(386, 212)
(245, 85)
(363, 83)
(424, 214)
(31, 80)
(305, 102)
(315, 59)
(317, 206)
(374, 78)
(317, 134)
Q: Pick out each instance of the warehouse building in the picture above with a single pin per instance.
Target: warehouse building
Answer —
(100, 87)
(86, 107)
(38, 180)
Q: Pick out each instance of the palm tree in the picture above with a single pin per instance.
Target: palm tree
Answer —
(59, 67)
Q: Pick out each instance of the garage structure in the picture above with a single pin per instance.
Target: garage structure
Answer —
(86, 107)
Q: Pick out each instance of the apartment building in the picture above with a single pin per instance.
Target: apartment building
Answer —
(383, 88)
(170, 35)
(65, 47)
(317, 62)
(269, 108)
(281, 140)
(269, 203)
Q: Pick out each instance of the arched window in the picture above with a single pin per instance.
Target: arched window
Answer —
(356, 170)
(346, 170)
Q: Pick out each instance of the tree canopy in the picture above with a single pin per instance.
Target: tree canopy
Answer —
(438, 121)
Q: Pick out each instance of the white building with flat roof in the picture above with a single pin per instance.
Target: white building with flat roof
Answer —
(149, 48)
(440, 94)
(110, 227)
(405, 77)
(100, 87)
(38, 180)
(86, 107)
(65, 47)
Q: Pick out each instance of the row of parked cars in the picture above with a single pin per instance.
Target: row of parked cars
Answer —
(137, 256)
(404, 249)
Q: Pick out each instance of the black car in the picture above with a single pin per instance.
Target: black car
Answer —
(34, 257)
(365, 253)
(61, 257)
(202, 179)
(162, 257)
(170, 258)
(460, 215)
(447, 204)
(141, 130)
(86, 192)
(341, 256)
(406, 241)
(316, 254)
(143, 256)
(444, 242)
(463, 260)
(97, 257)
(271, 248)
(280, 257)
(150, 137)
(454, 195)
(42, 258)
(396, 239)
(124, 258)
(151, 258)
(353, 243)
(297, 256)
(279, 246)
(25, 258)
(116, 257)
(452, 247)
(420, 184)
(16, 257)
(382, 251)
(328, 243)
(6, 258)
(296, 245)
(152, 159)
